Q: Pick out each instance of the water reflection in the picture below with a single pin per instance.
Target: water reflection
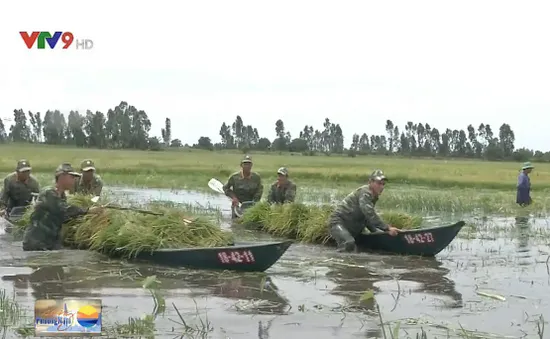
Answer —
(45, 282)
(253, 293)
(428, 275)
(523, 230)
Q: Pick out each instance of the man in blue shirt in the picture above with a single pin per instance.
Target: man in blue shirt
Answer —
(523, 197)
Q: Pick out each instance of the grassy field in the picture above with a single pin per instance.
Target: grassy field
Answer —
(176, 168)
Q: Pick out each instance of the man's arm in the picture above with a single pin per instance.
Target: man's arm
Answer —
(372, 218)
(259, 191)
(5, 194)
(74, 189)
(271, 194)
(72, 212)
(98, 186)
(228, 187)
(290, 194)
(35, 186)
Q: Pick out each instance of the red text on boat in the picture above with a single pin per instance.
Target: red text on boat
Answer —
(419, 238)
(236, 257)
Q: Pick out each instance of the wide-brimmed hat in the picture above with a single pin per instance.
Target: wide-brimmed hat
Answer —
(66, 168)
(23, 165)
(87, 165)
(527, 165)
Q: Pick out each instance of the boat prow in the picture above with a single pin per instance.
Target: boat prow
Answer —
(425, 242)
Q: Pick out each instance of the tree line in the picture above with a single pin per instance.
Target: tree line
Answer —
(126, 127)
(123, 127)
(414, 140)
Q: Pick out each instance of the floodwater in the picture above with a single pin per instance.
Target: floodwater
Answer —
(313, 291)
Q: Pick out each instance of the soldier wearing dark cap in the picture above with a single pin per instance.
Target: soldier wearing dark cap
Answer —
(51, 211)
(89, 182)
(283, 190)
(19, 187)
(245, 185)
(356, 212)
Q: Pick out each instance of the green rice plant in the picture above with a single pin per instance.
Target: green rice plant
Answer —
(316, 229)
(286, 219)
(178, 167)
(256, 214)
(129, 232)
(309, 223)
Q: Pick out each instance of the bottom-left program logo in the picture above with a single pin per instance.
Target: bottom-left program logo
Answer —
(67, 317)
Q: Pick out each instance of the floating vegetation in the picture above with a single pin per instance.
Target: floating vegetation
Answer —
(308, 223)
(130, 231)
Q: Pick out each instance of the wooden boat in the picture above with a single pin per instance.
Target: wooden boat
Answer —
(244, 257)
(425, 242)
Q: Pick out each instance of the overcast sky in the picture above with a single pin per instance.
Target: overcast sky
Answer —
(356, 62)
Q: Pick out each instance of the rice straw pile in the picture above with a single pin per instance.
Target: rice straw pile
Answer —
(130, 232)
(308, 223)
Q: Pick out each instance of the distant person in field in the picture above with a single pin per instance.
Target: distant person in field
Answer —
(283, 190)
(356, 212)
(244, 186)
(51, 211)
(19, 187)
(89, 183)
(523, 197)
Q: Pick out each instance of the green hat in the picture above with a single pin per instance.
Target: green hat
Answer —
(527, 165)
(23, 166)
(377, 175)
(282, 171)
(66, 168)
(246, 159)
(87, 165)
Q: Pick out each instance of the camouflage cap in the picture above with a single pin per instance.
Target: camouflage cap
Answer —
(87, 165)
(377, 175)
(282, 171)
(66, 168)
(23, 165)
(246, 159)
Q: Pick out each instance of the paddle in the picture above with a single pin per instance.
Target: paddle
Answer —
(217, 187)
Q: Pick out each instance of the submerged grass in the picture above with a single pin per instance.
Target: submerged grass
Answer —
(308, 223)
(127, 233)
(428, 200)
(175, 167)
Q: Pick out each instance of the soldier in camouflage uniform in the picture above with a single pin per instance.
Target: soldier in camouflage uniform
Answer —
(89, 182)
(50, 212)
(283, 190)
(19, 187)
(244, 185)
(357, 211)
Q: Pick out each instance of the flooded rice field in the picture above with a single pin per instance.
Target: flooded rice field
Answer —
(492, 281)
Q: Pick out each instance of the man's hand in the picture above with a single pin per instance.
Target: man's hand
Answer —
(235, 202)
(393, 231)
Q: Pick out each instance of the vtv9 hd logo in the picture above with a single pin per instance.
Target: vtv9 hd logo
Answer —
(63, 39)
